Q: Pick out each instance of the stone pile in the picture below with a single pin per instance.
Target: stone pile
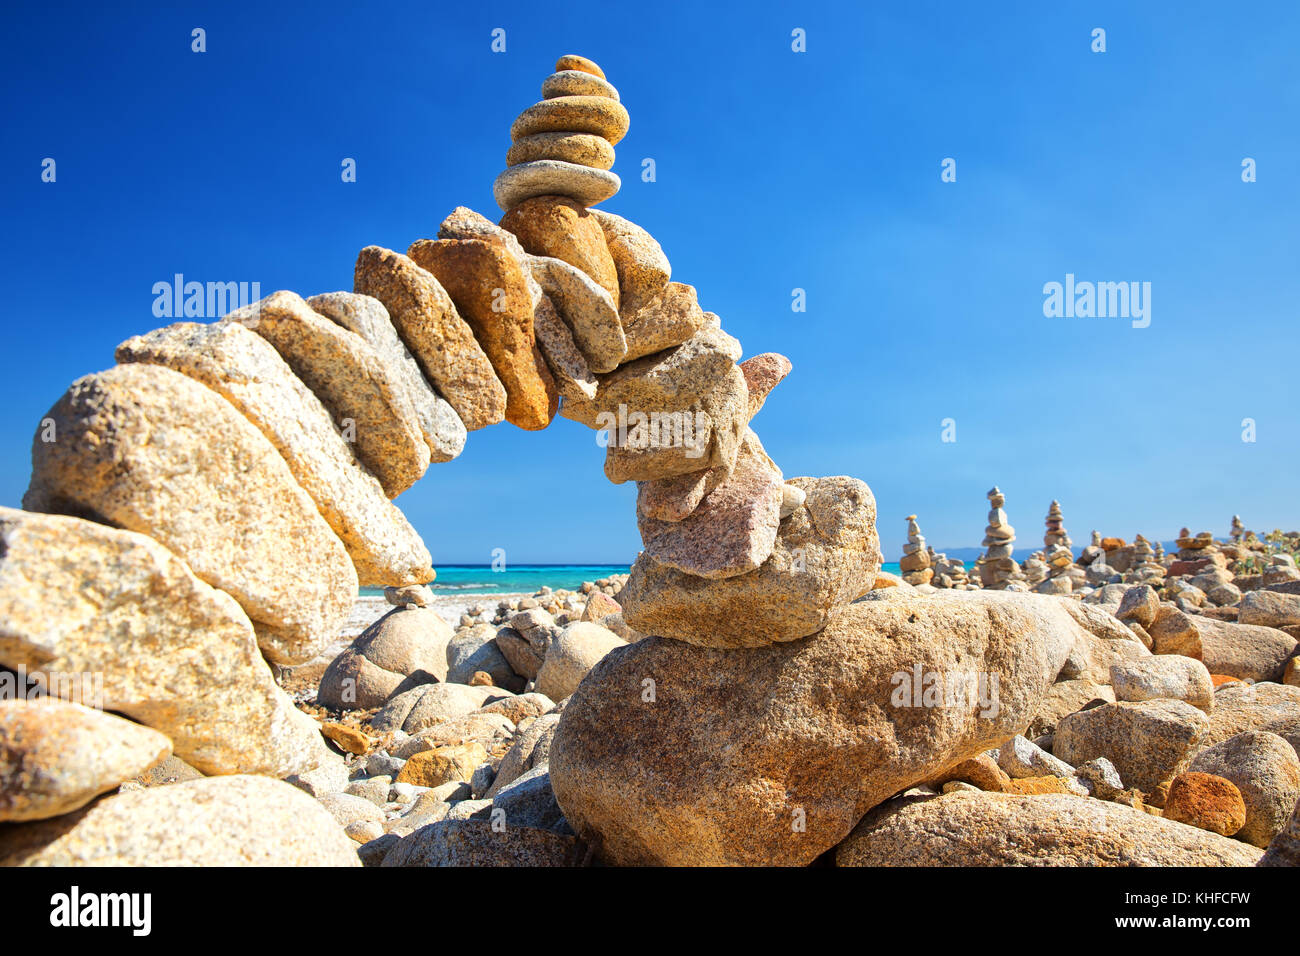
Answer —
(915, 563)
(951, 573)
(746, 695)
(1238, 530)
(999, 569)
(1035, 569)
(1146, 568)
(1195, 553)
(564, 144)
(1061, 577)
(1093, 551)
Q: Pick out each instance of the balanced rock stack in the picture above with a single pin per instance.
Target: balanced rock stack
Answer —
(1196, 552)
(1057, 556)
(915, 563)
(1238, 530)
(951, 573)
(1035, 570)
(1146, 569)
(999, 570)
(564, 144)
(1093, 551)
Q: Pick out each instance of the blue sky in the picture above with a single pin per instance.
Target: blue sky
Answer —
(776, 170)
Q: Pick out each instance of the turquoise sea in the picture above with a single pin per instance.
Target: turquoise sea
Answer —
(455, 579)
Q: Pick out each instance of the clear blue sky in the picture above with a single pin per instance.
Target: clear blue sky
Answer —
(776, 170)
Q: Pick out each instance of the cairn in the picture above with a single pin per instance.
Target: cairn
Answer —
(1035, 569)
(951, 573)
(1093, 551)
(1146, 569)
(1055, 535)
(1196, 553)
(485, 323)
(1057, 556)
(999, 569)
(564, 144)
(916, 561)
(1238, 530)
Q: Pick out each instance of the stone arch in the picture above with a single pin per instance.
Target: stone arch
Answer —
(262, 452)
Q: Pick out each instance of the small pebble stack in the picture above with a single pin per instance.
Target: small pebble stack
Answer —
(915, 564)
(564, 144)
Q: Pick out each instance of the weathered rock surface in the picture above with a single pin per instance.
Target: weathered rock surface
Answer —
(1241, 707)
(1164, 675)
(365, 315)
(1244, 651)
(1266, 770)
(1206, 801)
(1270, 608)
(762, 374)
(476, 843)
(1140, 604)
(245, 370)
(531, 749)
(217, 821)
(986, 829)
(553, 177)
(599, 115)
(558, 227)
(489, 286)
(153, 451)
(666, 321)
(672, 499)
(402, 643)
(529, 801)
(825, 555)
(582, 149)
(576, 83)
(353, 382)
(1149, 742)
(574, 652)
(573, 376)
(441, 765)
(677, 380)
(173, 653)
(1174, 632)
(572, 61)
(733, 530)
(715, 759)
(643, 269)
(1285, 848)
(1064, 698)
(664, 442)
(57, 756)
(441, 341)
(429, 704)
(587, 310)
(475, 650)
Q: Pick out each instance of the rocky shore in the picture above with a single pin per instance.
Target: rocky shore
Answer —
(192, 680)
